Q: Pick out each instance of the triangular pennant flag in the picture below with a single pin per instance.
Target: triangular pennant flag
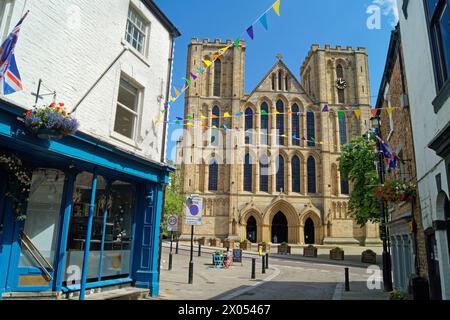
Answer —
(236, 43)
(341, 115)
(193, 76)
(180, 119)
(223, 50)
(276, 7)
(190, 118)
(250, 32)
(303, 138)
(227, 115)
(172, 99)
(263, 21)
(177, 122)
(203, 125)
(325, 109)
(374, 112)
(264, 113)
(214, 116)
(190, 124)
(277, 112)
(390, 110)
(238, 114)
(207, 63)
(313, 139)
(294, 137)
(216, 56)
(200, 70)
(203, 118)
(188, 81)
(185, 88)
(176, 91)
(166, 106)
(214, 127)
(226, 128)
(358, 113)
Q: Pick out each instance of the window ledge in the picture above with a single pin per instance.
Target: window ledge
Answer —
(125, 140)
(442, 97)
(139, 55)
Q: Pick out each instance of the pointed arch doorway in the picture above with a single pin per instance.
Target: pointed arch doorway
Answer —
(310, 234)
(252, 230)
(280, 231)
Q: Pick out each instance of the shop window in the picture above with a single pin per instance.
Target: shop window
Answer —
(127, 110)
(43, 215)
(137, 30)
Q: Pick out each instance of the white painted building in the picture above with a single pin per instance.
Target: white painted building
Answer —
(117, 81)
(425, 33)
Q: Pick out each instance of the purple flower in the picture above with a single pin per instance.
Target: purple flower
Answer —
(53, 120)
(69, 126)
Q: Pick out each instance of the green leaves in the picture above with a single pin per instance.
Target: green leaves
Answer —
(174, 198)
(357, 163)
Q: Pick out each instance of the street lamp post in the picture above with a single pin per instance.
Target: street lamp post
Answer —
(387, 270)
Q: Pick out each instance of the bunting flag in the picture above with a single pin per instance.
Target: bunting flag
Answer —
(193, 76)
(226, 128)
(250, 32)
(325, 109)
(341, 115)
(303, 138)
(166, 106)
(236, 43)
(208, 63)
(238, 129)
(189, 83)
(263, 21)
(238, 114)
(214, 117)
(200, 70)
(216, 56)
(223, 50)
(190, 124)
(172, 98)
(374, 112)
(227, 115)
(276, 7)
(358, 113)
(185, 88)
(203, 118)
(176, 91)
(214, 127)
(390, 110)
(264, 113)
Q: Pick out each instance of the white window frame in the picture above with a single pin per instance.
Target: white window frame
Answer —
(146, 32)
(6, 10)
(137, 113)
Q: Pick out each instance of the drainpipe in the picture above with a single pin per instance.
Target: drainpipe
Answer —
(163, 148)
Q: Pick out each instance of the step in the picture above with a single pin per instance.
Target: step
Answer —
(32, 296)
(128, 293)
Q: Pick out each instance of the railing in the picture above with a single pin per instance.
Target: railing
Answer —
(37, 256)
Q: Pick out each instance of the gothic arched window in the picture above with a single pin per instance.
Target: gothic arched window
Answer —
(342, 129)
(280, 121)
(213, 175)
(248, 174)
(217, 77)
(280, 174)
(274, 81)
(215, 126)
(295, 174)
(286, 85)
(280, 80)
(345, 189)
(340, 75)
(311, 128)
(264, 174)
(295, 125)
(248, 126)
(264, 123)
(312, 186)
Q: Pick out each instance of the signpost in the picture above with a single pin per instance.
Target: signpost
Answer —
(194, 214)
(172, 225)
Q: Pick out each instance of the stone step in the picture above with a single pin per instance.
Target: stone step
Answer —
(128, 293)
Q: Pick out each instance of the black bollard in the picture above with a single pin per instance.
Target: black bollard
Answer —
(347, 280)
(267, 260)
(176, 249)
(253, 268)
(263, 264)
(170, 261)
(199, 249)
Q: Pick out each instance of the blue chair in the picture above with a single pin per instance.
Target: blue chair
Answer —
(218, 261)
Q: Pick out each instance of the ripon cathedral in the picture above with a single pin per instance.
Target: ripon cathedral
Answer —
(266, 162)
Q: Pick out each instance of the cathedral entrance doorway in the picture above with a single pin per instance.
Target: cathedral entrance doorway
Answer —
(279, 228)
(309, 232)
(252, 230)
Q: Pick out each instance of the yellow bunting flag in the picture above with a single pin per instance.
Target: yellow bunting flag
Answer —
(227, 115)
(214, 116)
(172, 99)
(223, 50)
(214, 127)
(358, 113)
(190, 124)
(390, 110)
(207, 63)
(277, 112)
(276, 7)
(176, 91)
(203, 118)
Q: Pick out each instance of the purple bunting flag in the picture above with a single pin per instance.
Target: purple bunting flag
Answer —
(250, 32)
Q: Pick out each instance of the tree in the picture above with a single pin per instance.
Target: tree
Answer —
(174, 198)
(357, 164)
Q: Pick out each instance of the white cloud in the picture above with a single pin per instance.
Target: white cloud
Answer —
(389, 8)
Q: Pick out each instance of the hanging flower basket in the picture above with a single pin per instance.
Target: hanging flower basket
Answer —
(51, 122)
(19, 182)
(396, 192)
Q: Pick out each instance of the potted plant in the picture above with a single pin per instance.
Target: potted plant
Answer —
(396, 192)
(369, 256)
(228, 243)
(310, 251)
(337, 254)
(50, 122)
(398, 295)
(202, 241)
(284, 248)
(214, 242)
(245, 245)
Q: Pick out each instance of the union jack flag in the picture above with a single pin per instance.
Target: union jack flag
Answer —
(10, 80)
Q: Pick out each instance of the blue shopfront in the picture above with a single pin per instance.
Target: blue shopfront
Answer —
(91, 216)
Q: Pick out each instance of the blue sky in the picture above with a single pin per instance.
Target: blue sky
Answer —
(302, 23)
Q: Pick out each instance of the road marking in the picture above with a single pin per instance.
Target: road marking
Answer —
(245, 290)
(338, 291)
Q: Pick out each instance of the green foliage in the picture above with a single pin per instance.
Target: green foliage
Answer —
(174, 202)
(357, 164)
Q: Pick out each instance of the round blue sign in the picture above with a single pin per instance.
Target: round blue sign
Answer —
(195, 210)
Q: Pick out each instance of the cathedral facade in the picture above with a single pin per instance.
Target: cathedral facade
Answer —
(266, 162)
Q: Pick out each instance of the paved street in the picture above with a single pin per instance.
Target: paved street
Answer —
(288, 278)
